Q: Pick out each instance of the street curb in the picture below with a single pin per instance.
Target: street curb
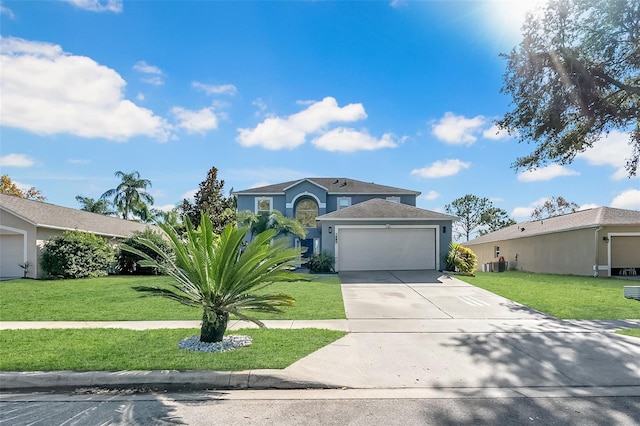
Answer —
(155, 380)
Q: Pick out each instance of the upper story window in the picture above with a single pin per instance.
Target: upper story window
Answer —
(264, 204)
(306, 212)
(394, 199)
(344, 202)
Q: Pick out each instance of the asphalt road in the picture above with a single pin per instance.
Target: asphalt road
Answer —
(302, 407)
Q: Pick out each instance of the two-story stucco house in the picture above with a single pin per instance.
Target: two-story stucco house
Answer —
(366, 226)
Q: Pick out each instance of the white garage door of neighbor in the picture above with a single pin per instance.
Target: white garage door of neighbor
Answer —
(12, 255)
(379, 249)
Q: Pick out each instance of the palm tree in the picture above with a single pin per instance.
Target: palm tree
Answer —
(260, 222)
(212, 273)
(129, 193)
(94, 206)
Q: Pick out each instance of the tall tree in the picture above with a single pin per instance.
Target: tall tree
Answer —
(210, 200)
(7, 186)
(476, 215)
(100, 206)
(131, 191)
(554, 206)
(495, 218)
(574, 77)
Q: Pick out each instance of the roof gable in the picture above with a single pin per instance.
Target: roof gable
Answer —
(377, 208)
(332, 186)
(591, 218)
(47, 215)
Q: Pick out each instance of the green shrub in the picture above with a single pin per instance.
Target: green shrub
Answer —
(128, 263)
(322, 262)
(461, 259)
(77, 254)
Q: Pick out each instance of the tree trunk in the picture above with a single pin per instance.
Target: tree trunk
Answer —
(214, 324)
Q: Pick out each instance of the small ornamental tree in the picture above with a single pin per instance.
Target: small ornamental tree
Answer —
(77, 254)
(213, 273)
(461, 259)
(128, 263)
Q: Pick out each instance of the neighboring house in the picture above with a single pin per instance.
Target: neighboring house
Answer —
(364, 225)
(26, 224)
(601, 242)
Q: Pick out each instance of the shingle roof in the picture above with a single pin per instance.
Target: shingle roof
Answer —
(52, 216)
(378, 208)
(591, 218)
(333, 186)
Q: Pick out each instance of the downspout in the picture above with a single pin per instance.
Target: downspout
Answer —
(596, 267)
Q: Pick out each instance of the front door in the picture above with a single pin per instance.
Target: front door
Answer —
(308, 244)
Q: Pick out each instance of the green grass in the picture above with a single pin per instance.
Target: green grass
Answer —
(562, 296)
(634, 332)
(114, 299)
(116, 349)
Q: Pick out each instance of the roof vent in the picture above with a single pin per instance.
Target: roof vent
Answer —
(337, 180)
(343, 183)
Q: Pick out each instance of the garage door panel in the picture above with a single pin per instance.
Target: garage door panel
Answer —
(386, 249)
(625, 251)
(11, 255)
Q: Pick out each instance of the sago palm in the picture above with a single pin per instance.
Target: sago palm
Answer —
(216, 274)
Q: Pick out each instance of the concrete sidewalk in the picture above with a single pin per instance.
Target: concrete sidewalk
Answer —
(436, 333)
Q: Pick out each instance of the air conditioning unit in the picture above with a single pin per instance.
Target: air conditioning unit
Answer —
(632, 292)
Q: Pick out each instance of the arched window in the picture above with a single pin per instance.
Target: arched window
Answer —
(306, 212)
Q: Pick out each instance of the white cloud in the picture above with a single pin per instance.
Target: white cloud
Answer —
(431, 195)
(612, 150)
(628, 199)
(78, 161)
(16, 160)
(546, 173)
(396, 4)
(223, 89)
(588, 206)
(98, 5)
(288, 133)
(165, 208)
(457, 129)
(153, 74)
(350, 140)
(196, 121)
(495, 133)
(140, 97)
(47, 91)
(189, 195)
(440, 169)
(522, 212)
(525, 212)
(260, 104)
(6, 11)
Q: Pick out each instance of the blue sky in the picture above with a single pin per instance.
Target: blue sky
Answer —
(398, 93)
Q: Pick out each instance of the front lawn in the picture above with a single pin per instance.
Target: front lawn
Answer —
(116, 349)
(562, 296)
(114, 299)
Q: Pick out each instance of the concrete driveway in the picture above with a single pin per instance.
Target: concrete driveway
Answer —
(422, 329)
(424, 294)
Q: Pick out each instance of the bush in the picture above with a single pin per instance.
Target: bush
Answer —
(77, 254)
(128, 263)
(461, 259)
(322, 262)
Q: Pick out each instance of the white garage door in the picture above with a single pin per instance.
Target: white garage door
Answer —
(11, 255)
(379, 249)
